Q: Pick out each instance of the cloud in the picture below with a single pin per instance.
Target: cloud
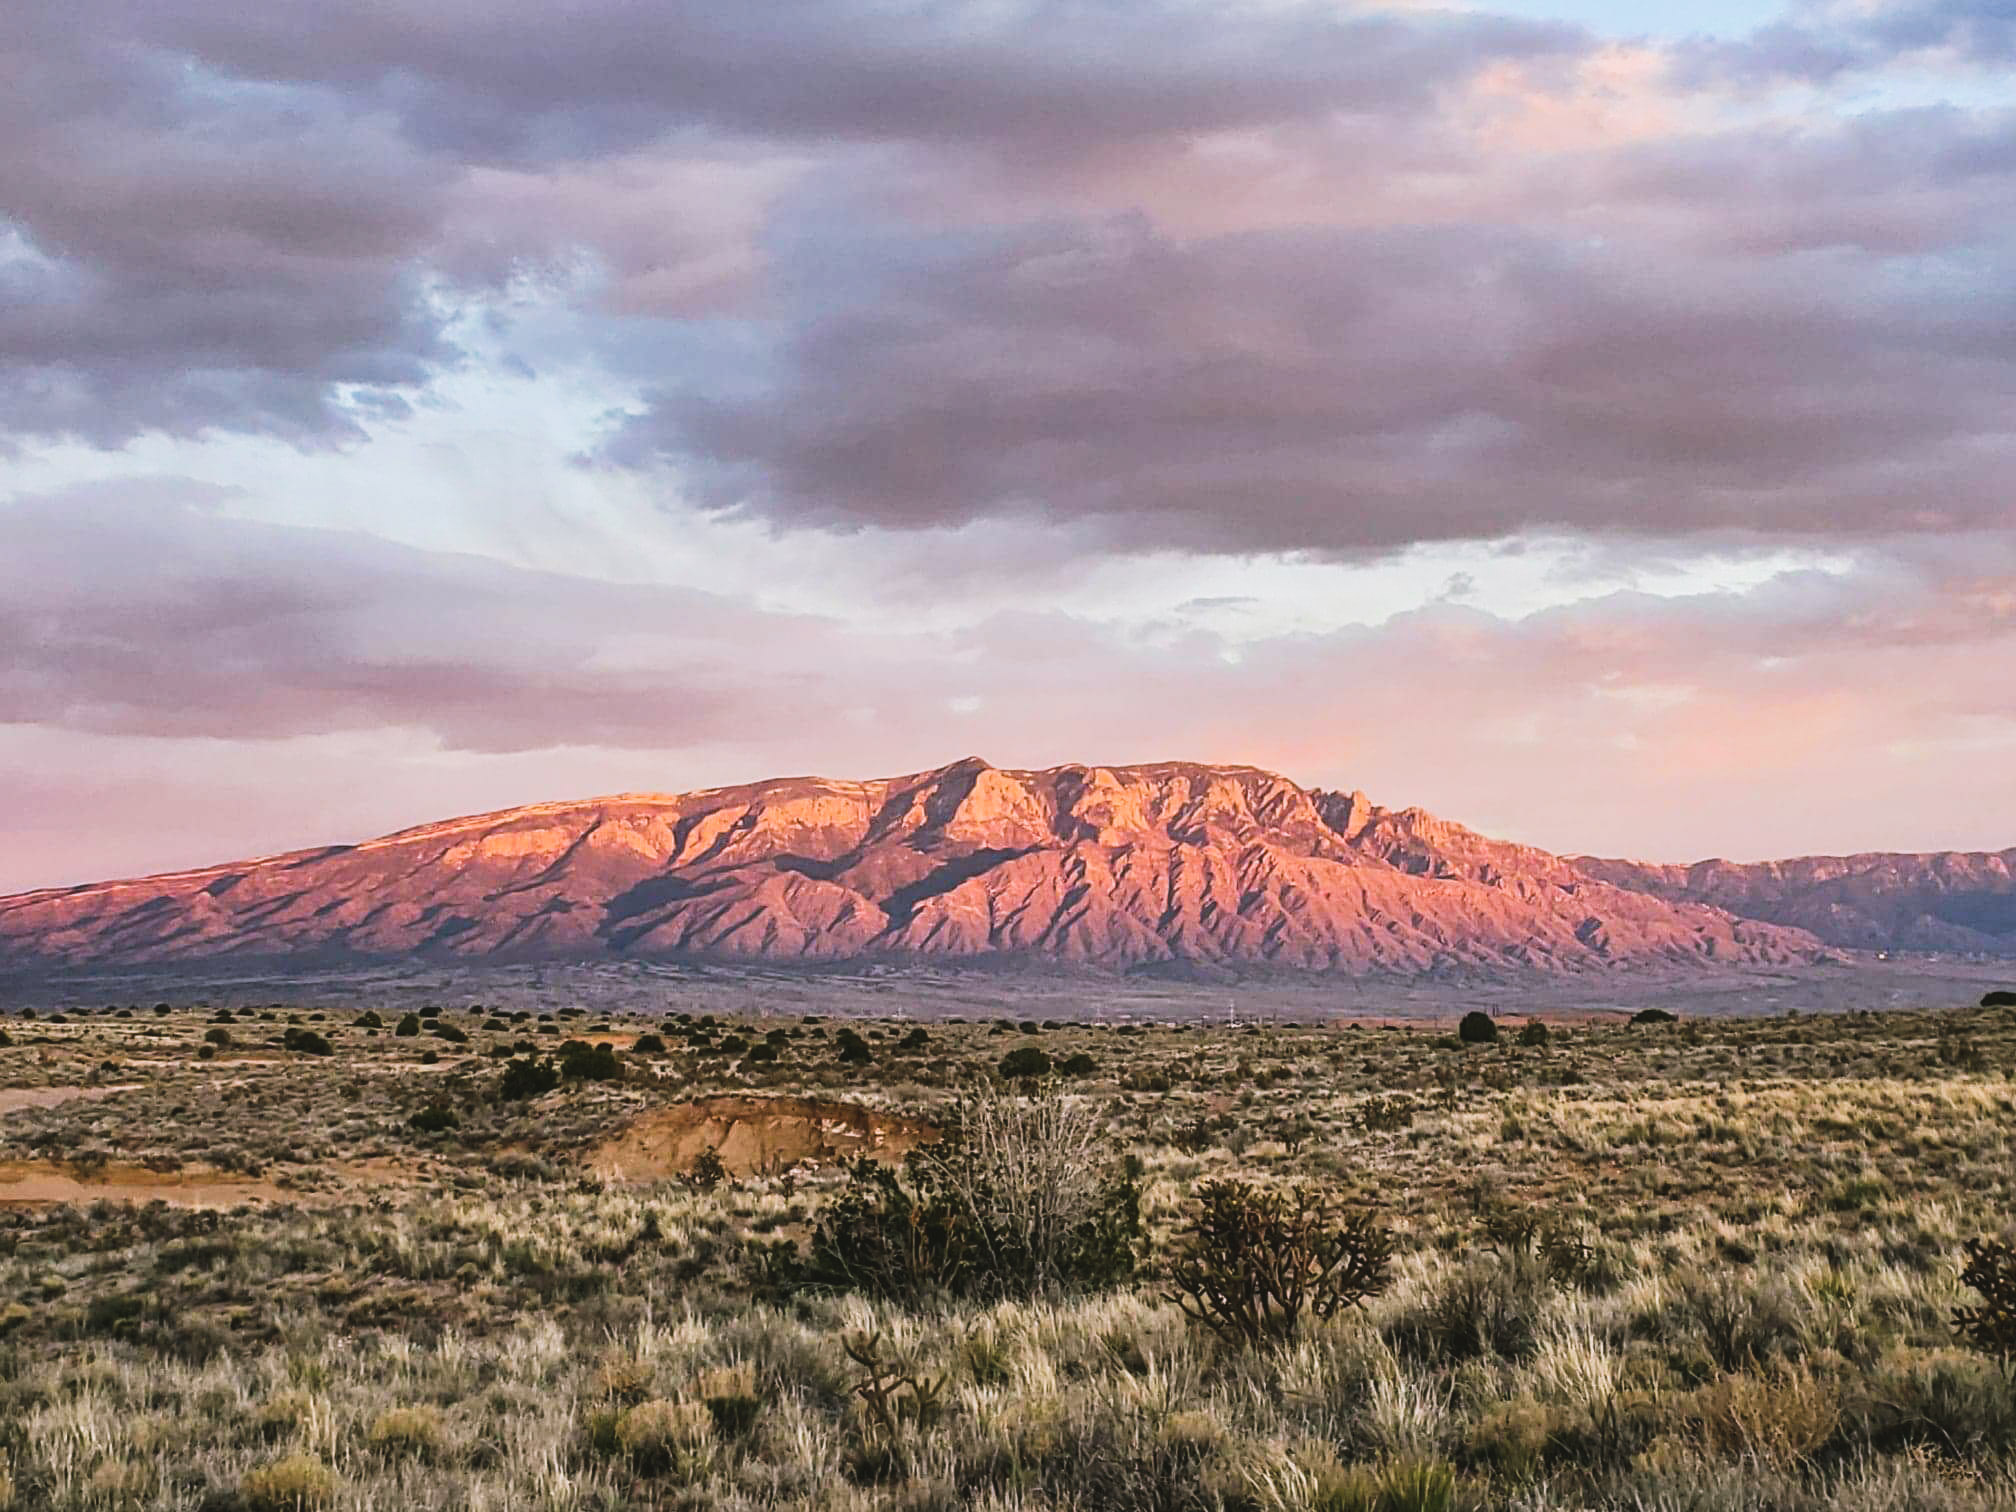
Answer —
(139, 611)
(265, 219)
(1867, 707)
(1349, 390)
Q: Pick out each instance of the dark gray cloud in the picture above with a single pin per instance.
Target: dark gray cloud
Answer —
(227, 216)
(962, 263)
(1049, 77)
(1349, 390)
(179, 252)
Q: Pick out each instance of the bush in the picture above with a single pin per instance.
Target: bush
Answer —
(527, 1077)
(662, 1437)
(707, 1171)
(1383, 1113)
(1488, 1307)
(434, 1119)
(452, 1035)
(369, 1020)
(1477, 1028)
(648, 1044)
(853, 1049)
(1991, 1326)
(1251, 1262)
(409, 1027)
(218, 1037)
(1654, 1016)
(731, 1399)
(1012, 1200)
(307, 1042)
(1998, 999)
(1534, 1033)
(581, 1061)
(1080, 1064)
(916, 1039)
(1025, 1063)
(408, 1430)
(298, 1483)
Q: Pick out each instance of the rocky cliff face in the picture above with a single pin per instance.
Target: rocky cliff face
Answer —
(1098, 866)
(1959, 901)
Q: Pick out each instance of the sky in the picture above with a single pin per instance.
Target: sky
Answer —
(1595, 423)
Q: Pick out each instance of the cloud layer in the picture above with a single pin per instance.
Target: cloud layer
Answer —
(1803, 712)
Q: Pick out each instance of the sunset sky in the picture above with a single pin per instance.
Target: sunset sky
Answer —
(1594, 422)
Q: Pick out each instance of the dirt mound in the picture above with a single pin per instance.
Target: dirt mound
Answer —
(755, 1135)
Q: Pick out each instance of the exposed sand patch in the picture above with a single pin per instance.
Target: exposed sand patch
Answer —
(44, 1183)
(756, 1135)
(12, 1098)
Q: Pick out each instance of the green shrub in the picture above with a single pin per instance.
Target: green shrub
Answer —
(1080, 1064)
(852, 1048)
(1024, 1063)
(1533, 1032)
(707, 1171)
(435, 1118)
(648, 1044)
(581, 1061)
(218, 1037)
(1654, 1016)
(409, 1027)
(527, 1077)
(307, 1042)
(1477, 1028)
(2000, 998)
(369, 1020)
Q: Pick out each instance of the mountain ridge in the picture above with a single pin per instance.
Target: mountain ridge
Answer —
(1120, 867)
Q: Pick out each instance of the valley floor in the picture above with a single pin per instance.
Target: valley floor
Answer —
(284, 1256)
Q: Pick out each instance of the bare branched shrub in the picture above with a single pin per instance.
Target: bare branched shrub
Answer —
(1253, 1261)
(1017, 1198)
(1030, 1172)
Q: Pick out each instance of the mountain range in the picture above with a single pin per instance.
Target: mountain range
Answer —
(1167, 865)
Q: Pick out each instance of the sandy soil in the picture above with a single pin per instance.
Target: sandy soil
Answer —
(755, 1134)
(12, 1098)
(41, 1183)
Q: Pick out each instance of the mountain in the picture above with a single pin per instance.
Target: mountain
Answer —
(1115, 867)
(1960, 901)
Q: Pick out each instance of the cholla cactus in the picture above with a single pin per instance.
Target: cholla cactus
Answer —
(1990, 1327)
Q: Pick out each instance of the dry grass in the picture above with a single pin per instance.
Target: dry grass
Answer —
(1698, 1268)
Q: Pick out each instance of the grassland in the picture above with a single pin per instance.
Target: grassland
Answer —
(1705, 1265)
